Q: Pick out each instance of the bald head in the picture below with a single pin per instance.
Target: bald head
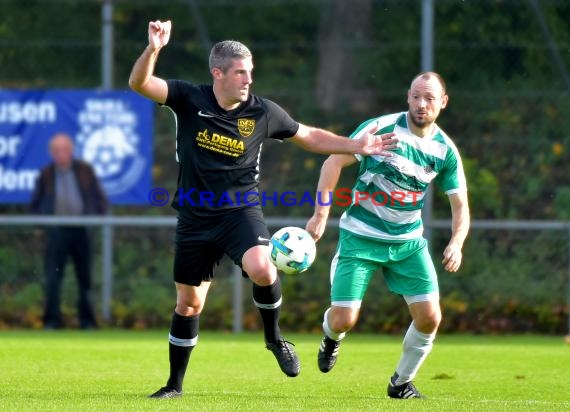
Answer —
(430, 76)
(61, 150)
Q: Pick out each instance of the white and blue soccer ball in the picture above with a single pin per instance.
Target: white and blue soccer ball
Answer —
(292, 250)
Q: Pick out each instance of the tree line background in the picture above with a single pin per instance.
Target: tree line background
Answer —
(331, 63)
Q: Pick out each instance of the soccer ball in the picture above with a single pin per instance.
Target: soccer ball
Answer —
(292, 250)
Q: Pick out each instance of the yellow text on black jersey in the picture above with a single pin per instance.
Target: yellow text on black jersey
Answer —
(220, 144)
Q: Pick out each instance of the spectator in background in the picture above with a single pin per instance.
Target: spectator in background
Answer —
(67, 187)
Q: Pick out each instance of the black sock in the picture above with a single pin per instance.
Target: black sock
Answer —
(268, 301)
(183, 337)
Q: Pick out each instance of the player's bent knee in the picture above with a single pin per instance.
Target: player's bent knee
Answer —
(435, 319)
(263, 276)
(428, 323)
(256, 264)
(189, 305)
(263, 280)
(184, 309)
(342, 325)
(426, 315)
(343, 321)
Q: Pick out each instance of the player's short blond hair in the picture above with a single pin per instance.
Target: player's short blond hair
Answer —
(223, 52)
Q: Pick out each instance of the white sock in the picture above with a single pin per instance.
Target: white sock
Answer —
(328, 331)
(417, 346)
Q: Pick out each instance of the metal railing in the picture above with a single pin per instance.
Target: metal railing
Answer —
(109, 222)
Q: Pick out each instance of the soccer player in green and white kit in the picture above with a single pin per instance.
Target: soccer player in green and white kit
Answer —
(383, 228)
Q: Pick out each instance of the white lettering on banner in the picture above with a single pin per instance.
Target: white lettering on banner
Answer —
(16, 180)
(9, 145)
(28, 112)
(104, 105)
(89, 117)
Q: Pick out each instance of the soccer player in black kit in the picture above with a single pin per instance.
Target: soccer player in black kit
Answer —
(220, 129)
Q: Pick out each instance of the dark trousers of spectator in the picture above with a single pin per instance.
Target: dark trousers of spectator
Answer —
(64, 242)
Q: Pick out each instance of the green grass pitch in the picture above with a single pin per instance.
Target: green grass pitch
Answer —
(116, 370)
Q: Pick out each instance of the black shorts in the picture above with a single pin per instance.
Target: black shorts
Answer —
(200, 245)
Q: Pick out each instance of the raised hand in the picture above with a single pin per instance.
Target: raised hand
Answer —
(379, 144)
(158, 33)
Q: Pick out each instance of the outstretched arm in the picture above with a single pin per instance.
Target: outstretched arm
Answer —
(141, 79)
(366, 143)
(452, 254)
(330, 173)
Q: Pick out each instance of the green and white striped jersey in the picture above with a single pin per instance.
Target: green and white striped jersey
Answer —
(389, 192)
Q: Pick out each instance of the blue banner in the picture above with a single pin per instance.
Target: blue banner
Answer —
(112, 131)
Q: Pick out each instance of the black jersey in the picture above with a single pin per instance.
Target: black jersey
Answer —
(218, 150)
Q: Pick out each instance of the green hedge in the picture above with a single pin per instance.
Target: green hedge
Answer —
(509, 282)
